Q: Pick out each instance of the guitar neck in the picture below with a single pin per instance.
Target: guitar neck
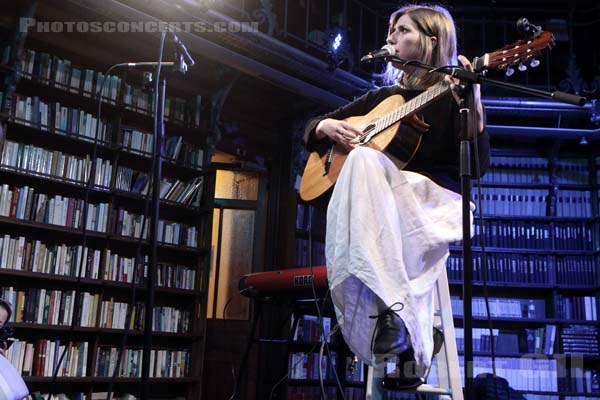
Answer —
(414, 105)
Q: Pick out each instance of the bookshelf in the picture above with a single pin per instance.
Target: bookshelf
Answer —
(303, 352)
(541, 235)
(303, 359)
(45, 164)
(540, 217)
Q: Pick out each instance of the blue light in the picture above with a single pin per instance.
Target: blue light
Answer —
(337, 41)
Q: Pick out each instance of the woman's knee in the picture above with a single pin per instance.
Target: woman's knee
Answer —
(364, 155)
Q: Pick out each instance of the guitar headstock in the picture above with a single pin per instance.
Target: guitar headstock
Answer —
(521, 52)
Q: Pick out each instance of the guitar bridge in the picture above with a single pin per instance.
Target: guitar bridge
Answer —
(328, 159)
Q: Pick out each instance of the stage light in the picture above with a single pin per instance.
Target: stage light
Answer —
(335, 48)
(336, 42)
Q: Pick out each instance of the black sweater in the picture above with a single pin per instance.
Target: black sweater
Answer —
(438, 155)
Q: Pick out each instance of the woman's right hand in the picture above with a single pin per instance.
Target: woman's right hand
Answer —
(338, 131)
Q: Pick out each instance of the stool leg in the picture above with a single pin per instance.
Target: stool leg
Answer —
(448, 368)
(374, 391)
(450, 377)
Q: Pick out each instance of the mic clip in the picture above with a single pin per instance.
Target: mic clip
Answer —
(527, 29)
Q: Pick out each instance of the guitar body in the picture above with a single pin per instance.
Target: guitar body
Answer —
(325, 163)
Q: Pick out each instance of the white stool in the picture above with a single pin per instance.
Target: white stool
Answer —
(448, 368)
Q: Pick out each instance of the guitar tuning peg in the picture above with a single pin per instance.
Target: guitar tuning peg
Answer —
(534, 62)
(509, 71)
(522, 67)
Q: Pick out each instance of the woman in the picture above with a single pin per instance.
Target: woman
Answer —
(388, 230)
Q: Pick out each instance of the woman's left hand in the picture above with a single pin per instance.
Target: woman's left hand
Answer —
(476, 92)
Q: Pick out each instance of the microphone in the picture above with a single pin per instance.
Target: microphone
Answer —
(181, 47)
(523, 25)
(385, 51)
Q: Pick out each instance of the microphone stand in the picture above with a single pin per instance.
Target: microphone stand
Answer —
(467, 132)
(159, 132)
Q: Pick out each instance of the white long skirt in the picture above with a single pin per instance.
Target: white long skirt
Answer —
(387, 241)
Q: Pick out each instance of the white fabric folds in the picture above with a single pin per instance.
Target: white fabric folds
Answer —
(387, 241)
(12, 386)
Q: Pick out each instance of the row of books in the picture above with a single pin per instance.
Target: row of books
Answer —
(61, 74)
(41, 357)
(60, 120)
(130, 225)
(176, 276)
(313, 393)
(37, 160)
(509, 176)
(25, 203)
(55, 118)
(534, 202)
(572, 203)
(175, 149)
(178, 191)
(533, 373)
(40, 161)
(536, 170)
(306, 366)
(306, 255)
(501, 307)
(575, 307)
(529, 342)
(121, 269)
(572, 171)
(55, 307)
(581, 380)
(516, 162)
(353, 393)
(541, 340)
(580, 339)
(163, 363)
(310, 329)
(522, 268)
(84, 396)
(524, 373)
(52, 307)
(113, 315)
(535, 235)
(169, 319)
(184, 112)
(310, 218)
(19, 254)
(520, 170)
(500, 267)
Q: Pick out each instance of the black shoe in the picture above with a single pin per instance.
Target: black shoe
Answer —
(405, 376)
(391, 335)
(438, 340)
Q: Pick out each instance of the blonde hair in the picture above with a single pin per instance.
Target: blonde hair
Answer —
(430, 20)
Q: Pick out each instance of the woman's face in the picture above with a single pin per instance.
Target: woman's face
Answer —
(404, 38)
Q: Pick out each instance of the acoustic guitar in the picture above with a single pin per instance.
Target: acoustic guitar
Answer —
(380, 127)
